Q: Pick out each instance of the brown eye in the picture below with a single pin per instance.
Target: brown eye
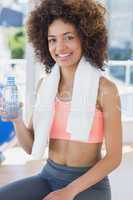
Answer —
(51, 41)
(69, 37)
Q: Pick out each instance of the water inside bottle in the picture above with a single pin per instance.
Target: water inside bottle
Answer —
(10, 96)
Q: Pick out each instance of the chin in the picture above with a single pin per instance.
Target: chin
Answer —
(66, 63)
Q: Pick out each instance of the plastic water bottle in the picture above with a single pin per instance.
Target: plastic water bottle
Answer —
(10, 97)
(1, 96)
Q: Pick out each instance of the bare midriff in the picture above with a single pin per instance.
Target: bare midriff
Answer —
(74, 154)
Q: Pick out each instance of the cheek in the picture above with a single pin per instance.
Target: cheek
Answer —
(76, 46)
(51, 51)
(78, 50)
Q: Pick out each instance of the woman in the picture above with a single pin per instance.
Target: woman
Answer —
(62, 32)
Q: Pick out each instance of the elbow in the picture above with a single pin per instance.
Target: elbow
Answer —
(118, 159)
(115, 160)
(28, 150)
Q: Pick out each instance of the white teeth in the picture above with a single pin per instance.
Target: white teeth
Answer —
(63, 55)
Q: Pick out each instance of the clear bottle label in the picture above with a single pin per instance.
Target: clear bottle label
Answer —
(11, 104)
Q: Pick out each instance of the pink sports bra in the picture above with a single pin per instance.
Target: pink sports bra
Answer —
(58, 129)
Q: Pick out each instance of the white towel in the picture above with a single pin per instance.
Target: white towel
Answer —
(83, 105)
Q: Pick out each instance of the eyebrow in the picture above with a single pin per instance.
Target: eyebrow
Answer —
(63, 34)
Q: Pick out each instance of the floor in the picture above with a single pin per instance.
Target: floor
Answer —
(18, 165)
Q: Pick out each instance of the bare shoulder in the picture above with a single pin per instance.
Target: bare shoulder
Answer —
(107, 85)
(108, 92)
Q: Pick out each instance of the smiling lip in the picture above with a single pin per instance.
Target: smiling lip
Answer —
(64, 56)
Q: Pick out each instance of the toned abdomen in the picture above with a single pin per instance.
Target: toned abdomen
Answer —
(71, 153)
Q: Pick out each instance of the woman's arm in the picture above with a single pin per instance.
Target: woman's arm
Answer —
(113, 139)
(25, 134)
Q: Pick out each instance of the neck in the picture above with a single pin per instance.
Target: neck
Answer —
(67, 76)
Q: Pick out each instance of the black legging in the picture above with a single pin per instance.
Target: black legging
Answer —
(53, 177)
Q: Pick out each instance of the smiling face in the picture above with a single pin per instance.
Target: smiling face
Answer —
(64, 44)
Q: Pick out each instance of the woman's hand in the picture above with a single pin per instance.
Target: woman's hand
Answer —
(4, 117)
(62, 194)
(17, 116)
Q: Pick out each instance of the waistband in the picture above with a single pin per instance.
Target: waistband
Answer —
(63, 172)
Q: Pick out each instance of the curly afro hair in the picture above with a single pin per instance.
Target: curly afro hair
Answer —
(88, 16)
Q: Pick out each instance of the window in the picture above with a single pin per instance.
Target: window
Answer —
(120, 29)
(118, 72)
(131, 74)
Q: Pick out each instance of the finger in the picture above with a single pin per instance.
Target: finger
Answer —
(5, 119)
(15, 115)
(47, 198)
(5, 116)
(3, 113)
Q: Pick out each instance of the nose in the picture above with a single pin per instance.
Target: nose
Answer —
(60, 46)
